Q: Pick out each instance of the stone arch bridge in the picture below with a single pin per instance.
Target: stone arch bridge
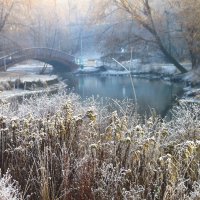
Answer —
(60, 60)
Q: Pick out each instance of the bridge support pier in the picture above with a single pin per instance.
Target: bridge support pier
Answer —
(4, 61)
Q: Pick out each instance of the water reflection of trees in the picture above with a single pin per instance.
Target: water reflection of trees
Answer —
(150, 94)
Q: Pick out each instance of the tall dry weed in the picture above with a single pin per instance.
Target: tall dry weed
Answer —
(59, 148)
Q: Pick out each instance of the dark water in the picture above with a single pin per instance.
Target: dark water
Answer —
(158, 94)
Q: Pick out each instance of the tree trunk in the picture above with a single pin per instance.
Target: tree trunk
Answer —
(169, 55)
(195, 60)
(172, 59)
(148, 23)
(152, 29)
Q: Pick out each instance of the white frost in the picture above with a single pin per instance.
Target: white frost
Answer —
(8, 188)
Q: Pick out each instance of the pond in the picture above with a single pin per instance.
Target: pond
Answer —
(150, 94)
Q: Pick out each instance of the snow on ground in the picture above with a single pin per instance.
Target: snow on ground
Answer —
(135, 66)
(114, 72)
(26, 74)
(88, 70)
(31, 66)
(10, 94)
(155, 68)
(23, 77)
(193, 76)
(191, 95)
(36, 78)
(161, 69)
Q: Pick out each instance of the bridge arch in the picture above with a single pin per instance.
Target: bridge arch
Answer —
(60, 60)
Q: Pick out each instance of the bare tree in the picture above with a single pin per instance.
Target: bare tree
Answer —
(188, 17)
(143, 12)
(6, 7)
(148, 15)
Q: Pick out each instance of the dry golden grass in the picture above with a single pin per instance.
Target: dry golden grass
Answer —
(70, 150)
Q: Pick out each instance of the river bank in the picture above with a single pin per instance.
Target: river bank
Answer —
(16, 85)
(25, 80)
(163, 72)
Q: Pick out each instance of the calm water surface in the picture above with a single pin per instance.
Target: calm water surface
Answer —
(150, 94)
(158, 94)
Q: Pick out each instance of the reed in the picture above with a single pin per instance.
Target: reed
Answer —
(59, 148)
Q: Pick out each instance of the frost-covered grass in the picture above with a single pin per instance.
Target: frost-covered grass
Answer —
(8, 188)
(57, 147)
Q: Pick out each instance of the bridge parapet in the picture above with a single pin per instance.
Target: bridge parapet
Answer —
(47, 55)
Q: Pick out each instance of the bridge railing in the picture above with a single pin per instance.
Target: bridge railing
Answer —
(48, 53)
(36, 53)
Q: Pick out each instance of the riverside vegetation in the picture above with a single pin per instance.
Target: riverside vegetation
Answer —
(57, 147)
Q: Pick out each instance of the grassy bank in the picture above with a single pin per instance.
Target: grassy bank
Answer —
(59, 148)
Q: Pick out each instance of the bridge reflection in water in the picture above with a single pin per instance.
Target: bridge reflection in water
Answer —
(60, 60)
